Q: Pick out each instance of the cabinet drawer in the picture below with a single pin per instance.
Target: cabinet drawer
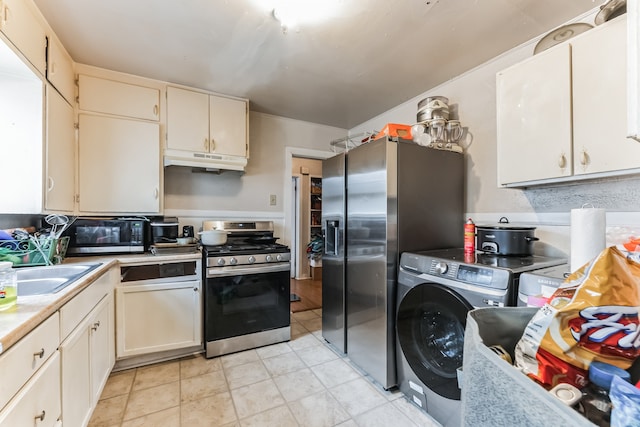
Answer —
(27, 356)
(72, 313)
(117, 98)
(38, 403)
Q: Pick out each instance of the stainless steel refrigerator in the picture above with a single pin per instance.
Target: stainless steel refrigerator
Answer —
(397, 196)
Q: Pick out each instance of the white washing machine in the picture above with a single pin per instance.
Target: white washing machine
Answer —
(436, 290)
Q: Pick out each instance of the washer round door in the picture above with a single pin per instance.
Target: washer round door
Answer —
(430, 325)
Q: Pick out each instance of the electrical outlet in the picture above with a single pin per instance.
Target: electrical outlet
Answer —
(272, 199)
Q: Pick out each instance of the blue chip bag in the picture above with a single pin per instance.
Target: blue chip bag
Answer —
(625, 398)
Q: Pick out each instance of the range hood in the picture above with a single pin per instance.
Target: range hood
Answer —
(207, 161)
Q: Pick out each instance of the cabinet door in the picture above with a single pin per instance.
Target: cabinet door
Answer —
(534, 118)
(38, 402)
(600, 101)
(119, 165)
(157, 317)
(228, 126)
(60, 154)
(187, 120)
(76, 376)
(102, 346)
(25, 30)
(60, 69)
(118, 98)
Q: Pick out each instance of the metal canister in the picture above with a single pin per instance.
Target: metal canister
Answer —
(469, 237)
(433, 107)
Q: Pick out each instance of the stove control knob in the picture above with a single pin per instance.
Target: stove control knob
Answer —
(269, 258)
(220, 261)
(279, 257)
(233, 261)
(251, 259)
(441, 267)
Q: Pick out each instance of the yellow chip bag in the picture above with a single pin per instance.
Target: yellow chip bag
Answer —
(593, 315)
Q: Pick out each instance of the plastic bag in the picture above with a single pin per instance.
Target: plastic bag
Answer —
(626, 404)
(593, 315)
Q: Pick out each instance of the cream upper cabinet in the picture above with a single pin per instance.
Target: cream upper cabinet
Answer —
(25, 28)
(60, 69)
(60, 155)
(534, 118)
(561, 115)
(106, 96)
(202, 122)
(119, 165)
(600, 102)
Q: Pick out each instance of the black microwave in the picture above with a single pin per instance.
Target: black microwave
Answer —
(90, 236)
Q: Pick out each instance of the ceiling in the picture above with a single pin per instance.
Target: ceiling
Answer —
(372, 56)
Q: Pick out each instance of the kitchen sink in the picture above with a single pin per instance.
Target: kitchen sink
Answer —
(50, 279)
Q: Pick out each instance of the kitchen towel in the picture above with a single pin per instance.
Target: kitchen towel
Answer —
(588, 235)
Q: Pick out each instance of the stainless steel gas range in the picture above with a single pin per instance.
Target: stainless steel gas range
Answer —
(246, 288)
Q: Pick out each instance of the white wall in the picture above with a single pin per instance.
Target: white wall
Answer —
(197, 196)
(472, 100)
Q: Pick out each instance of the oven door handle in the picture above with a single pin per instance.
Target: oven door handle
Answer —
(237, 271)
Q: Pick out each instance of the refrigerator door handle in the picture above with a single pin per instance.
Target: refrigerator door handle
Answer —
(331, 242)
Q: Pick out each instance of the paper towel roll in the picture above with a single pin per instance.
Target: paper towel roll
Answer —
(588, 235)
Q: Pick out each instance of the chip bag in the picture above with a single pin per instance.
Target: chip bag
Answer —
(593, 315)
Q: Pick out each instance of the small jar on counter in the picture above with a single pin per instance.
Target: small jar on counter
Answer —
(8, 285)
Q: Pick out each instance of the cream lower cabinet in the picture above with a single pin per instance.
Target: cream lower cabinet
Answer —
(60, 166)
(30, 383)
(561, 114)
(38, 402)
(87, 359)
(201, 122)
(87, 350)
(158, 317)
(119, 165)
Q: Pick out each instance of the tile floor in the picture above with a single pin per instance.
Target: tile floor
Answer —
(298, 383)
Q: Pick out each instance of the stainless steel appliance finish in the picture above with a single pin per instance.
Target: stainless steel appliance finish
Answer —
(165, 230)
(96, 235)
(436, 290)
(400, 197)
(333, 257)
(247, 288)
(541, 283)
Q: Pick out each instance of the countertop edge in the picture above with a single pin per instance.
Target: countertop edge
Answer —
(30, 311)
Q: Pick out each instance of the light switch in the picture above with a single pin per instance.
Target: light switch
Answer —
(272, 199)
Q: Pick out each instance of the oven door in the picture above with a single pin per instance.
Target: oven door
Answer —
(244, 300)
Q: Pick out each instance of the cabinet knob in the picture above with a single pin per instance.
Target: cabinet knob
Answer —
(155, 110)
(39, 354)
(562, 161)
(584, 158)
(41, 416)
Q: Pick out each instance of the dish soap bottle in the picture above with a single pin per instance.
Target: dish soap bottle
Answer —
(8, 286)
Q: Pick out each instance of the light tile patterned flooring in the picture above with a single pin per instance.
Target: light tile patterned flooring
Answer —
(298, 383)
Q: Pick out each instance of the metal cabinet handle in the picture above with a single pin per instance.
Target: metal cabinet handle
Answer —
(41, 416)
(95, 326)
(212, 145)
(155, 110)
(562, 161)
(5, 13)
(206, 144)
(50, 183)
(39, 354)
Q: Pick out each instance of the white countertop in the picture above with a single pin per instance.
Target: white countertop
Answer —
(30, 311)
